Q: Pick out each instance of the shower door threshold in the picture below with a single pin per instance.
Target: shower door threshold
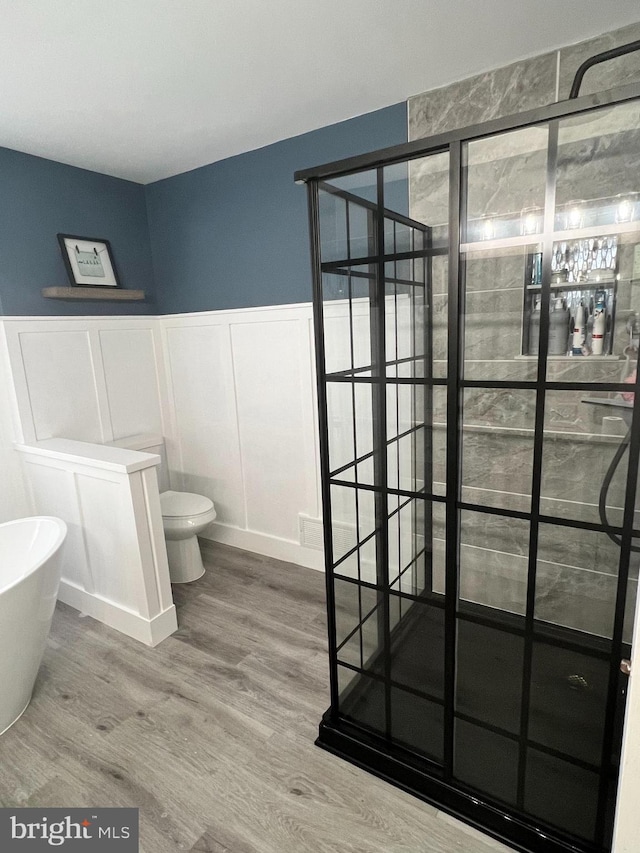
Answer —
(369, 752)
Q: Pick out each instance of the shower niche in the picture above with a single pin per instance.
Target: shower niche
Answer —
(481, 583)
(584, 285)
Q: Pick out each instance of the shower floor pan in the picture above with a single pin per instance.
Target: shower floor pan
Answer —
(524, 751)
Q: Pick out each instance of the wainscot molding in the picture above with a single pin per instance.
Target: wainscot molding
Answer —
(261, 543)
(114, 564)
(150, 631)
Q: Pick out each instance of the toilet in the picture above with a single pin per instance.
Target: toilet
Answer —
(184, 514)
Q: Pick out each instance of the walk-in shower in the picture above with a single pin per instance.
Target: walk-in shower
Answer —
(472, 292)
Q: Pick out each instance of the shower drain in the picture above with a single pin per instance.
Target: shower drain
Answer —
(577, 682)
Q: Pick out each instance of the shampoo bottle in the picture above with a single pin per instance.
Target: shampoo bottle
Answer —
(578, 330)
(558, 328)
(599, 323)
(534, 328)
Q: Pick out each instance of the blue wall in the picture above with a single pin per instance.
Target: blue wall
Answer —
(234, 234)
(39, 199)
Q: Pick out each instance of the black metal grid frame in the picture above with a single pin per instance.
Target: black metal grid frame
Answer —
(342, 736)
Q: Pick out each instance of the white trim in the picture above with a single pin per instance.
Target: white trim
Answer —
(148, 631)
(234, 311)
(261, 543)
(101, 456)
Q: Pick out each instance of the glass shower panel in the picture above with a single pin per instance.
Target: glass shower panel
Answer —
(357, 608)
(347, 295)
(427, 205)
(494, 559)
(485, 761)
(418, 663)
(333, 226)
(569, 701)
(594, 260)
(362, 699)
(363, 431)
(579, 447)
(417, 723)
(497, 447)
(503, 204)
(501, 314)
(489, 665)
(344, 520)
(438, 522)
(336, 309)
(410, 545)
(479, 581)
(575, 811)
(416, 437)
(576, 579)
(506, 179)
(342, 444)
(348, 620)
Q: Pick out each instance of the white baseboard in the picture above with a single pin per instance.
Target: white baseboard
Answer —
(147, 631)
(269, 546)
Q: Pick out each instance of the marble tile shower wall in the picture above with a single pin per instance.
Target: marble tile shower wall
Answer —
(576, 579)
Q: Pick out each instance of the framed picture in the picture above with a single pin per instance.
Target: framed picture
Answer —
(89, 262)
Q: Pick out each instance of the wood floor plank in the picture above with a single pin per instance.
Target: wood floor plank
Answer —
(211, 733)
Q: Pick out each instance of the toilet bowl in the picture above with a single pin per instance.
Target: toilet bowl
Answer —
(184, 514)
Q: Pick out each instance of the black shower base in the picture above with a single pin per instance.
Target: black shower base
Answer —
(371, 754)
(569, 691)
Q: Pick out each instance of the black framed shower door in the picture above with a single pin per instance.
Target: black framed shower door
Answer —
(480, 584)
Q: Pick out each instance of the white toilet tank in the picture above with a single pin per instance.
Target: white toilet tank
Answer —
(148, 442)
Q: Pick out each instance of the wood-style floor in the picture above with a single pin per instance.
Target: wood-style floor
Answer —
(211, 734)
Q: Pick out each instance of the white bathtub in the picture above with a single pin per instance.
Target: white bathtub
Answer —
(30, 551)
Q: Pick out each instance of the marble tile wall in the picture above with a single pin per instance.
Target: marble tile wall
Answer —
(503, 91)
(523, 85)
(615, 72)
(576, 590)
(576, 570)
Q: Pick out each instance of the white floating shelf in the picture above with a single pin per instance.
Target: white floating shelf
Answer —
(102, 293)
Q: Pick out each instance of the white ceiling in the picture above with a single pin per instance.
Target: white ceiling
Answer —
(144, 89)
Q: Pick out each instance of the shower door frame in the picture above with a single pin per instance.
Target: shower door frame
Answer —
(339, 736)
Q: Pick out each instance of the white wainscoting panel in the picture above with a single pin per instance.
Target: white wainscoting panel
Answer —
(270, 398)
(241, 396)
(53, 491)
(232, 392)
(60, 375)
(92, 379)
(131, 371)
(115, 561)
(13, 497)
(206, 458)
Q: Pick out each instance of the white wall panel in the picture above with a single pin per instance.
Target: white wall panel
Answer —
(105, 519)
(241, 405)
(62, 390)
(114, 565)
(53, 492)
(13, 496)
(268, 372)
(202, 391)
(239, 421)
(131, 377)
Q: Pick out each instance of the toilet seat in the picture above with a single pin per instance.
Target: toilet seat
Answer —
(183, 504)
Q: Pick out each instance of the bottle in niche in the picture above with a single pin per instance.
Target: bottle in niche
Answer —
(599, 323)
(578, 330)
(558, 328)
(534, 328)
(536, 269)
